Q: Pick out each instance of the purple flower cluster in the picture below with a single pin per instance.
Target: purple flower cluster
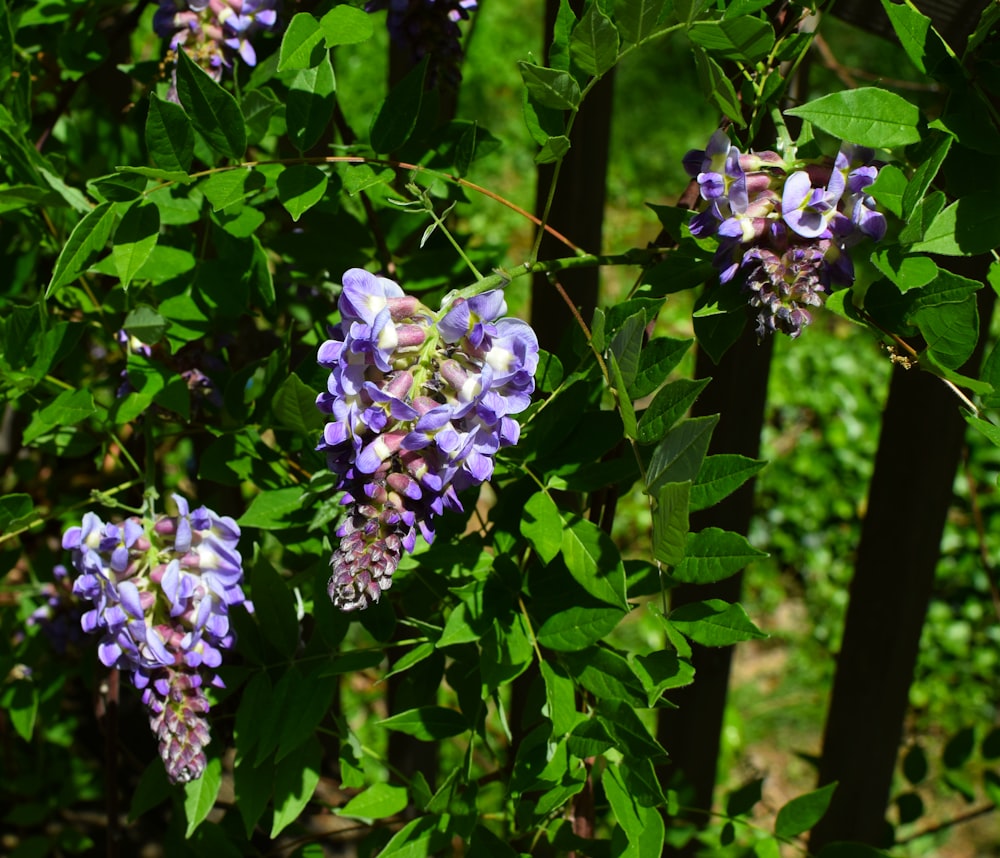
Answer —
(213, 31)
(429, 28)
(161, 594)
(785, 228)
(419, 403)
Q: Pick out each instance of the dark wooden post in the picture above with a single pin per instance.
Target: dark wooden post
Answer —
(911, 489)
(578, 209)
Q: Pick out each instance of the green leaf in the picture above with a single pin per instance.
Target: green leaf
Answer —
(679, 456)
(169, 135)
(637, 19)
(303, 45)
(506, 652)
(717, 86)
(803, 812)
(377, 802)
(270, 509)
(888, 188)
(86, 241)
(252, 787)
(593, 561)
(670, 522)
(428, 723)
(16, 197)
(553, 149)
(13, 508)
(274, 606)
(713, 554)
(560, 698)
(295, 781)
(146, 324)
(950, 331)
(720, 476)
(921, 218)
(620, 389)
(907, 272)
(67, 409)
(153, 789)
(485, 844)
(294, 407)
(397, 117)
(922, 43)
(550, 87)
(542, 526)
(135, 239)
(231, 187)
(662, 670)
(714, 623)
(160, 175)
(967, 227)
(258, 106)
(594, 42)
(20, 701)
(605, 674)
(200, 795)
(424, 836)
(656, 362)
(578, 627)
(626, 347)
(214, 111)
(866, 116)
(667, 408)
(346, 25)
(925, 174)
(746, 39)
(742, 800)
(119, 187)
(301, 186)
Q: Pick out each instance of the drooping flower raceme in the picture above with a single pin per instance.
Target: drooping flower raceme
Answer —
(419, 403)
(212, 32)
(429, 28)
(161, 593)
(785, 229)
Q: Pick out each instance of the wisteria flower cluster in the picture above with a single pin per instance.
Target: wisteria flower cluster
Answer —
(429, 28)
(784, 228)
(212, 32)
(419, 403)
(161, 593)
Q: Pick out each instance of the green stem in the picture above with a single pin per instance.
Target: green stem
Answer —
(500, 279)
(439, 223)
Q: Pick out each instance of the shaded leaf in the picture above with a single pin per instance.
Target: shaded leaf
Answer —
(169, 135)
(85, 242)
(200, 795)
(215, 113)
(803, 812)
(397, 117)
(428, 723)
(135, 239)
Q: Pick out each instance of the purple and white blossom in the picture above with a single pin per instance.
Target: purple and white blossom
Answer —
(784, 228)
(214, 32)
(419, 404)
(161, 592)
